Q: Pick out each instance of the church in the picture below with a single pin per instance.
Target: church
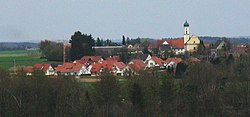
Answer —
(190, 43)
(180, 46)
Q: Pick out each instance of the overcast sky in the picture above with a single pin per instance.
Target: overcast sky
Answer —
(58, 19)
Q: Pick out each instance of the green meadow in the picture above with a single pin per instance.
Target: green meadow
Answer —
(21, 58)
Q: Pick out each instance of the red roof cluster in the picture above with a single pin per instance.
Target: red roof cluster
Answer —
(30, 69)
(107, 64)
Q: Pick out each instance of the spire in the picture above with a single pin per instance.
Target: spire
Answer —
(186, 24)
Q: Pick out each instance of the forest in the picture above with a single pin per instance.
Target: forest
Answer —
(207, 89)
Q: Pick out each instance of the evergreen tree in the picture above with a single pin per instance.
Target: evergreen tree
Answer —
(128, 41)
(123, 40)
(98, 42)
(81, 45)
(102, 43)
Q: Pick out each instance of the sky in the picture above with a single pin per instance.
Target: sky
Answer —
(23, 20)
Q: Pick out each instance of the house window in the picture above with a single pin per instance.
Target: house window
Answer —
(194, 41)
(194, 48)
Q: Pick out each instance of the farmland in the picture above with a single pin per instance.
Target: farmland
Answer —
(21, 58)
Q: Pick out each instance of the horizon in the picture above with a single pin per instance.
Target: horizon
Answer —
(110, 19)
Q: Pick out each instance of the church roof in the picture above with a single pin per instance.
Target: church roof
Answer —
(186, 23)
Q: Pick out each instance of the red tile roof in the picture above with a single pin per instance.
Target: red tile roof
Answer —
(139, 62)
(120, 65)
(176, 60)
(159, 61)
(92, 58)
(137, 65)
(69, 67)
(152, 46)
(193, 59)
(42, 67)
(89, 59)
(28, 69)
(175, 43)
(106, 64)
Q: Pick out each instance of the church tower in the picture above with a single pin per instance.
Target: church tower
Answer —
(186, 32)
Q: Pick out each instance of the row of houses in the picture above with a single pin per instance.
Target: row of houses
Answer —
(96, 65)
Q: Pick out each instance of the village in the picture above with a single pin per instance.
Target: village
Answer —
(163, 55)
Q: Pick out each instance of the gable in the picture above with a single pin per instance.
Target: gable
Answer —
(193, 40)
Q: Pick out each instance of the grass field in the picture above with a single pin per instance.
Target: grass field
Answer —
(21, 58)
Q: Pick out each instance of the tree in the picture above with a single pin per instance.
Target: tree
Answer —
(102, 43)
(201, 48)
(128, 41)
(166, 93)
(180, 69)
(98, 42)
(145, 51)
(107, 95)
(81, 45)
(123, 40)
(51, 50)
(137, 97)
(124, 55)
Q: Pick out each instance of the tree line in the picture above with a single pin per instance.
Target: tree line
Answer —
(204, 89)
(81, 45)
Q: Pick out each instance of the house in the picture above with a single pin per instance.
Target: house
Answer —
(90, 59)
(137, 46)
(172, 62)
(28, 70)
(155, 62)
(74, 69)
(86, 68)
(135, 67)
(237, 51)
(110, 65)
(220, 46)
(152, 48)
(119, 68)
(142, 56)
(130, 46)
(46, 68)
(107, 50)
(175, 45)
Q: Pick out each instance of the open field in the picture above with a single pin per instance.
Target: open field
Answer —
(21, 58)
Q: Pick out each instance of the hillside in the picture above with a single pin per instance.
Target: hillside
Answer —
(17, 45)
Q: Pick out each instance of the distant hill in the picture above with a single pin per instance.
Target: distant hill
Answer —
(234, 40)
(18, 45)
(209, 39)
